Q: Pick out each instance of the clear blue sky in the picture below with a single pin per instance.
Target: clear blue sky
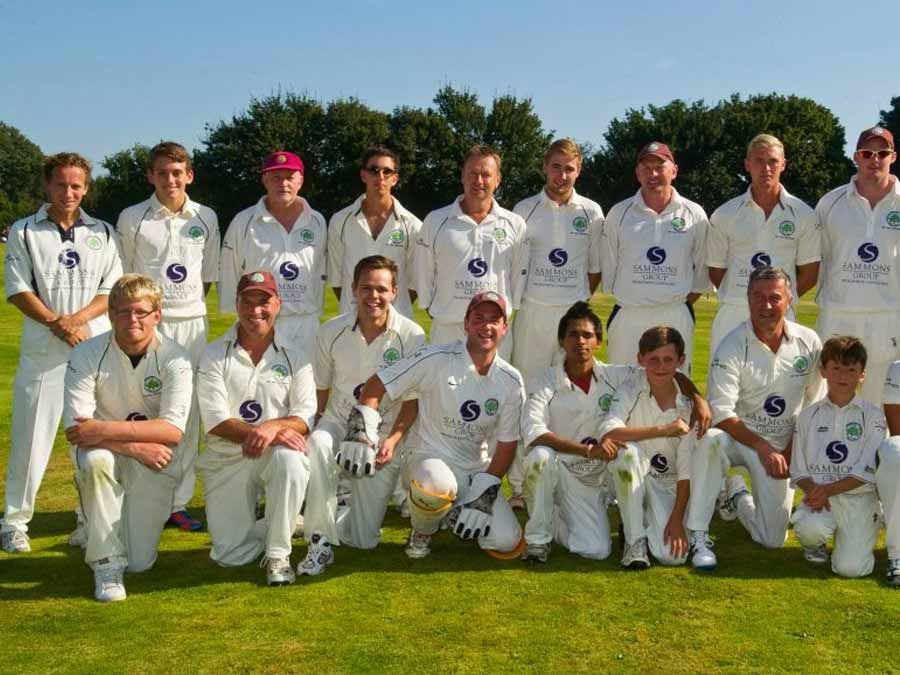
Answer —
(99, 76)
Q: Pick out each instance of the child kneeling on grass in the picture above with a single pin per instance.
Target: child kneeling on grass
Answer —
(833, 461)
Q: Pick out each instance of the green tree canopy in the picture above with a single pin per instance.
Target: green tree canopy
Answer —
(21, 190)
(890, 119)
(124, 184)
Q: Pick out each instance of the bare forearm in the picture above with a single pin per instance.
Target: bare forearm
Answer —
(372, 393)
(322, 396)
(31, 306)
(141, 431)
(236, 430)
(625, 434)
(93, 309)
(560, 444)
(502, 459)
(716, 274)
(682, 496)
(405, 419)
(807, 276)
(843, 485)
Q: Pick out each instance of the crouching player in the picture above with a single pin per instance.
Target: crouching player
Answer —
(127, 397)
(468, 396)
(349, 350)
(257, 398)
(651, 474)
(887, 475)
(833, 461)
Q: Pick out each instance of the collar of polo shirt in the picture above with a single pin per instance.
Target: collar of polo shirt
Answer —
(189, 209)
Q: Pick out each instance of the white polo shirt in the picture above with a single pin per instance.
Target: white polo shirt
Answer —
(742, 239)
(892, 385)
(860, 250)
(554, 404)
(652, 258)
(832, 443)
(765, 390)
(297, 259)
(564, 247)
(460, 411)
(350, 240)
(344, 361)
(230, 386)
(457, 258)
(180, 251)
(66, 269)
(102, 383)
(634, 406)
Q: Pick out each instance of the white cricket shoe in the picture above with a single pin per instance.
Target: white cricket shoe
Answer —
(726, 511)
(817, 555)
(278, 571)
(108, 580)
(15, 541)
(636, 556)
(419, 545)
(537, 552)
(702, 557)
(735, 488)
(893, 572)
(79, 536)
(319, 555)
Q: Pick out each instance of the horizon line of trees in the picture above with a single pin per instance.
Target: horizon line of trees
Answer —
(709, 142)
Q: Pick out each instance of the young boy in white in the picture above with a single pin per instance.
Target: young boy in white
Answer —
(650, 414)
(654, 257)
(469, 247)
(257, 398)
(887, 475)
(833, 460)
(763, 373)
(60, 265)
(468, 396)
(765, 226)
(127, 397)
(175, 241)
(281, 233)
(375, 224)
(349, 350)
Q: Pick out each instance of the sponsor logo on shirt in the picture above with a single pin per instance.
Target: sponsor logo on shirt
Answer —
(152, 384)
(558, 257)
(289, 271)
(136, 417)
(605, 402)
(391, 355)
(499, 235)
(867, 252)
(93, 242)
(854, 431)
(678, 224)
(837, 451)
(69, 258)
(397, 238)
(760, 259)
(307, 236)
(656, 255)
(775, 406)
(196, 233)
(786, 228)
(659, 463)
(280, 371)
(893, 219)
(470, 410)
(801, 365)
(250, 411)
(491, 406)
(176, 273)
(580, 224)
(477, 267)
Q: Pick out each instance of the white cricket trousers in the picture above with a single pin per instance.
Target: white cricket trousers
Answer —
(125, 506)
(360, 526)
(232, 484)
(880, 334)
(852, 521)
(645, 502)
(626, 325)
(191, 334)
(439, 475)
(764, 514)
(442, 333)
(887, 480)
(562, 508)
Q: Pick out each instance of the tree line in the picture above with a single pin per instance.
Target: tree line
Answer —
(709, 142)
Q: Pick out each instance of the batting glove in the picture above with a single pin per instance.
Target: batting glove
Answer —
(356, 454)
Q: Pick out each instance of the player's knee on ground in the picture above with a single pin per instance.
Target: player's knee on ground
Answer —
(711, 443)
(432, 491)
(140, 563)
(852, 566)
(811, 531)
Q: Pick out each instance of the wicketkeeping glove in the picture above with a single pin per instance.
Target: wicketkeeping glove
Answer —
(356, 454)
(472, 518)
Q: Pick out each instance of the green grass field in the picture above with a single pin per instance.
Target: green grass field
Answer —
(455, 611)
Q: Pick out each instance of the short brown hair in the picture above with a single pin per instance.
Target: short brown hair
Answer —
(845, 349)
(174, 152)
(375, 262)
(380, 151)
(660, 336)
(133, 287)
(482, 151)
(566, 147)
(62, 160)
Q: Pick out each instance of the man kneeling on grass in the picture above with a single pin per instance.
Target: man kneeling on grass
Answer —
(835, 444)
(128, 393)
(650, 414)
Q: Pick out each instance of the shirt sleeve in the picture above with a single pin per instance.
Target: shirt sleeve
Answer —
(698, 254)
(416, 343)
(411, 373)
(229, 269)
(336, 249)
(125, 228)
(80, 396)
(178, 387)
(303, 395)
(809, 241)
(595, 247)
(112, 268)
(415, 227)
(520, 262)
(815, 383)
(799, 464)
(211, 248)
(423, 263)
(609, 259)
(536, 409)
(508, 424)
(18, 271)
(684, 454)
(892, 385)
(875, 434)
(212, 393)
(724, 384)
(323, 368)
(717, 241)
(320, 265)
(623, 402)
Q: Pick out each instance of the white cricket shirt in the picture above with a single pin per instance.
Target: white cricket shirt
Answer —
(892, 385)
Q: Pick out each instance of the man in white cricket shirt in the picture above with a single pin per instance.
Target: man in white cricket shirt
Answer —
(349, 350)
(175, 241)
(469, 247)
(60, 265)
(375, 224)
(763, 373)
(128, 394)
(257, 398)
(765, 226)
(653, 257)
(859, 293)
(468, 396)
(282, 234)
(887, 475)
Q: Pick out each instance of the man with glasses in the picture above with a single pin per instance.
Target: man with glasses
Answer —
(375, 224)
(859, 291)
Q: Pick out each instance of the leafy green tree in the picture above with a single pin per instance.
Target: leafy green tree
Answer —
(890, 119)
(21, 189)
(124, 184)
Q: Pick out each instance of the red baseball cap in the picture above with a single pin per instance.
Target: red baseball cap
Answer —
(282, 159)
(656, 149)
(875, 132)
(487, 296)
(258, 281)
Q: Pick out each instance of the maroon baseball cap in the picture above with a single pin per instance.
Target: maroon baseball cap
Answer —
(258, 281)
(282, 159)
(656, 149)
(487, 296)
(875, 132)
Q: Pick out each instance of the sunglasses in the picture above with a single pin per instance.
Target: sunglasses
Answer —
(881, 154)
(385, 171)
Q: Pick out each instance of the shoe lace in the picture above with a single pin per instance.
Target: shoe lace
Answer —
(700, 539)
(893, 565)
